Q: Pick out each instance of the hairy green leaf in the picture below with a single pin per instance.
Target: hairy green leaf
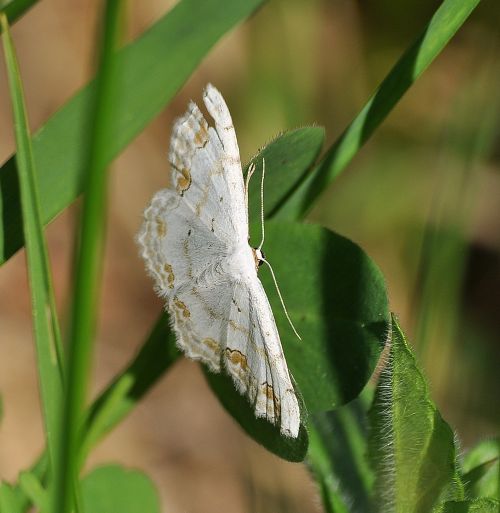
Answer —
(411, 447)
(472, 506)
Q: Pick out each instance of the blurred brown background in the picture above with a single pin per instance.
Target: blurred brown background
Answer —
(429, 178)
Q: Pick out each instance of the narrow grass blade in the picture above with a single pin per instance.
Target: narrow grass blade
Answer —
(155, 357)
(448, 18)
(45, 323)
(88, 266)
(14, 9)
(153, 68)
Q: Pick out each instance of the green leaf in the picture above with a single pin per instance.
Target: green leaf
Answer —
(32, 488)
(14, 9)
(411, 447)
(337, 457)
(472, 506)
(445, 22)
(152, 69)
(46, 327)
(112, 488)
(336, 298)
(288, 158)
(11, 499)
(339, 442)
(262, 431)
(334, 501)
(481, 469)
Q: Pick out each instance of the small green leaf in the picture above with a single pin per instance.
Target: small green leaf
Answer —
(481, 469)
(411, 447)
(33, 489)
(111, 488)
(472, 506)
(337, 300)
(12, 499)
(288, 157)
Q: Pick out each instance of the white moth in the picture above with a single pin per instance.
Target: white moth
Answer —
(194, 240)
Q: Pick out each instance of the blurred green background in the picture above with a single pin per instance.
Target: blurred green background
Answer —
(422, 198)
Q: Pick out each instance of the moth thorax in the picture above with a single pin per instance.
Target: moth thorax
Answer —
(258, 256)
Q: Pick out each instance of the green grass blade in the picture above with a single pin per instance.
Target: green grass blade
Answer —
(153, 68)
(14, 9)
(411, 447)
(445, 22)
(46, 328)
(88, 266)
(155, 357)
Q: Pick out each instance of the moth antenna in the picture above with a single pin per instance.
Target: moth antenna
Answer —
(281, 298)
(262, 202)
(250, 172)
